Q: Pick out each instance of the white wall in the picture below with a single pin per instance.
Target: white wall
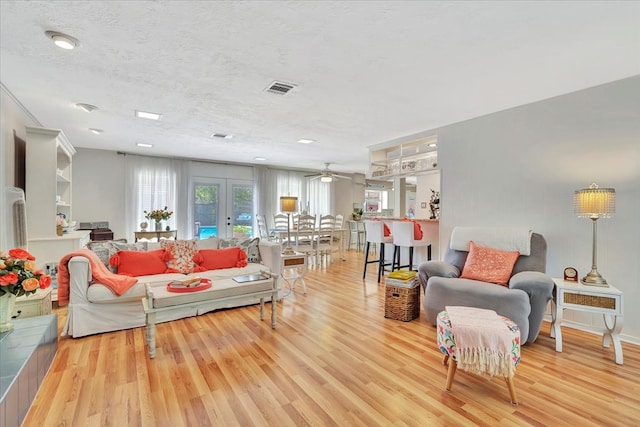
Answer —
(99, 189)
(521, 166)
(13, 118)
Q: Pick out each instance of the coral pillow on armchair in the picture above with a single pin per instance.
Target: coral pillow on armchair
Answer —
(489, 265)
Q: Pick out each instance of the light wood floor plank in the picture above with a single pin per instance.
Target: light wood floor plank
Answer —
(333, 360)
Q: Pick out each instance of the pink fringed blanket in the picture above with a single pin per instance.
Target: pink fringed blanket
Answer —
(483, 341)
(118, 284)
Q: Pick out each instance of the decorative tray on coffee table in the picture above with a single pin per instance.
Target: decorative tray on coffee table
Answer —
(189, 285)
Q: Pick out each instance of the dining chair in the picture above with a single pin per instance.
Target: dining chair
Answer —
(324, 239)
(280, 226)
(304, 237)
(263, 229)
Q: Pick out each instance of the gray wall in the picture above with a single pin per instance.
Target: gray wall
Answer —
(520, 167)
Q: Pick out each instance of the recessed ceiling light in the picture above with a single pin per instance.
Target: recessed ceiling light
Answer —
(62, 40)
(262, 159)
(147, 115)
(143, 145)
(96, 131)
(305, 141)
(221, 135)
(86, 107)
(433, 144)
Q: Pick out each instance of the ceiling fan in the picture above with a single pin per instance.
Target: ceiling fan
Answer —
(326, 175)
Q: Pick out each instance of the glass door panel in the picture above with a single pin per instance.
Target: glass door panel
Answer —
(240, 201)
(207, 218)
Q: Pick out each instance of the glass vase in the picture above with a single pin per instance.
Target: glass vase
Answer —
(158, 225)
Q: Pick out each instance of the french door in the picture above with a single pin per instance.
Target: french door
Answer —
(222, 207)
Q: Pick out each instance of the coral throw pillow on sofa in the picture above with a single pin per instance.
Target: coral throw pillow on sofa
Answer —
(135, 263)
(489, 265)
(180, 255)
(216, 259)
(105, 249)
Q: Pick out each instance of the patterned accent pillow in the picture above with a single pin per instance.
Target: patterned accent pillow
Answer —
(180, 255)
(489, 265)
(250, 246)
(105, 249)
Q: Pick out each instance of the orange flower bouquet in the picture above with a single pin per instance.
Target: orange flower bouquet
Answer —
(159, 214)
(18, 274)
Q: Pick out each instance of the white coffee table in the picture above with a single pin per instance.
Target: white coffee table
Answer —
(220, 295)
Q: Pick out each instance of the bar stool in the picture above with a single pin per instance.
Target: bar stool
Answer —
(403, 236)
(375, 234)
(356, 234)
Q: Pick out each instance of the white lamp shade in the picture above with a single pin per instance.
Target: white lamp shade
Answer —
(326, 179)
(288, 204)
(594, 202)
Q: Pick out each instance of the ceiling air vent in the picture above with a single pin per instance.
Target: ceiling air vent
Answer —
(279, 88)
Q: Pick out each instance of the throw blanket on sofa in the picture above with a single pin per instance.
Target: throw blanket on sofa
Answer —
(118, 284)
(502, 238)
(483, 341)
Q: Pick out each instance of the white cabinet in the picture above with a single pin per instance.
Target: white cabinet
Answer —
(37, 304)
(403, 159)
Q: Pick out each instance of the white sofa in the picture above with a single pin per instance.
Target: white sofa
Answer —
(94, 309)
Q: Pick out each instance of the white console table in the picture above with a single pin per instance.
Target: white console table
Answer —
(604, 300)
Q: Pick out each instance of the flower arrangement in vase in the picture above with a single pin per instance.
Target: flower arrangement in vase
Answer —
(158, 215)
(18, 276)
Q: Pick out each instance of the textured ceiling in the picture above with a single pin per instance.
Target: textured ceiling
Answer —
(366, 72)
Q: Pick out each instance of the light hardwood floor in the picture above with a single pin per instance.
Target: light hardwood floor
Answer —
(333, 360)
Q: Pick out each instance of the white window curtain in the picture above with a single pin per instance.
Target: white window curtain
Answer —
(319, 197)
(270, 184)
(153, 183)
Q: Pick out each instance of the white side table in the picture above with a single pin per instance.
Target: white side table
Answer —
(594, 299)
(37, 304)
(296, 265)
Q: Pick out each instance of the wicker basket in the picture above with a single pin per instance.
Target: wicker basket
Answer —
(402, 303)
(590, 300)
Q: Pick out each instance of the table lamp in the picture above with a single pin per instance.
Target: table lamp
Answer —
(594, 203)
(288, 204)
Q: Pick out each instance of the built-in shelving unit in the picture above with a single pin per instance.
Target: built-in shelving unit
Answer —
(48, 193)
(48, 180)
(408, 158)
